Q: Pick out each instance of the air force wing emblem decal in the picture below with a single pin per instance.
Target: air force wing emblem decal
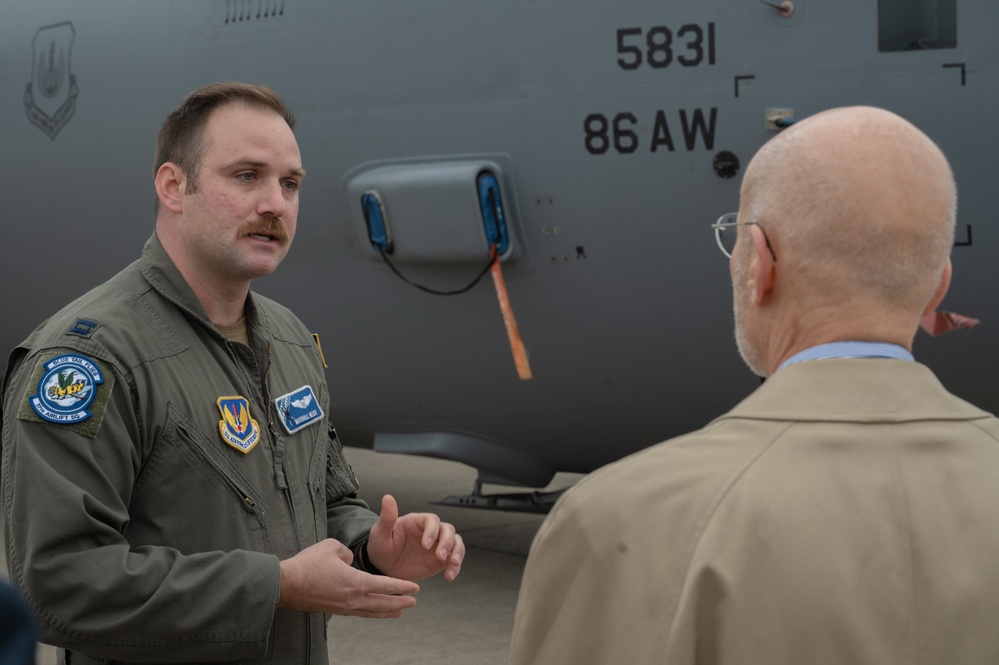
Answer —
(50, 98)
(238, 429)
(298, 409)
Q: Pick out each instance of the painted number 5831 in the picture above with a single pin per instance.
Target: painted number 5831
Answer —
(658, 47)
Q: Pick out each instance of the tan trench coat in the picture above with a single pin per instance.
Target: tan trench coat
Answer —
(845, 512)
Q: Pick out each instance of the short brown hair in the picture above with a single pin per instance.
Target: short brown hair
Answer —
(180, 139)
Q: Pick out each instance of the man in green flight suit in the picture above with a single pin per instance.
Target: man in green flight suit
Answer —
(172, 487)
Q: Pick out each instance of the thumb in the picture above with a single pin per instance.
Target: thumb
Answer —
(389, 515)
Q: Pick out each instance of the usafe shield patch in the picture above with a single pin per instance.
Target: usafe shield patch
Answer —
(68, 389)
(238, 429)
(298, 409)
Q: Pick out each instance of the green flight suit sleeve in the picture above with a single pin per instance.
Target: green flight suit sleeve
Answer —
(66, 493)
(348, 518)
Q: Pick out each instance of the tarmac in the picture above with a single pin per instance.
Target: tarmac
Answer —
(467, 621)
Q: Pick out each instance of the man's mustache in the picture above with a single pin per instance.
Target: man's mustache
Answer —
(272, 227)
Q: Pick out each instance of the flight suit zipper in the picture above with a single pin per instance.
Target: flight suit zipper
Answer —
(287, 490)
(273, 436)
(246, 500)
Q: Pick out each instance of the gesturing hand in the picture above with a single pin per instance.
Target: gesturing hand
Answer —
(414, 546)
(320, 579)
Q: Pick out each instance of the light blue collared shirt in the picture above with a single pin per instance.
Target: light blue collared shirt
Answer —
(850, 350)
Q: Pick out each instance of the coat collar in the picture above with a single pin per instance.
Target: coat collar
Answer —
(854, 389)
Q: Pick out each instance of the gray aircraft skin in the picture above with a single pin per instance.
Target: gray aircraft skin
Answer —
(617, 133)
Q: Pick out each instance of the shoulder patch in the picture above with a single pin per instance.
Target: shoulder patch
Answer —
(237, 428)
(70, 390)
(298, 409)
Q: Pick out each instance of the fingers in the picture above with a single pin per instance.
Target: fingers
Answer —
(384, 598)
(453, 562)
(390, 587)
(415, 545)
(320, 579)
(448, 546)
(443, 533)
(431, 528)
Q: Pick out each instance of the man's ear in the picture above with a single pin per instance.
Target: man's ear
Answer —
(171, 183)
(941, 289)
(762, 268)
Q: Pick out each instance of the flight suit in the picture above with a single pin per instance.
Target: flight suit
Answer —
(154, 474)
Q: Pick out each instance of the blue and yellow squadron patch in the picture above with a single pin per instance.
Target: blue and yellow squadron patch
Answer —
(66, 389)
(70, 390)
(238, 429)
(298, 409)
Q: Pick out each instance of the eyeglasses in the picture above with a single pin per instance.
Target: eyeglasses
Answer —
(726, 233)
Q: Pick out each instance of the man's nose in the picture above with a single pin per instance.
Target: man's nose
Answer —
(273, 200)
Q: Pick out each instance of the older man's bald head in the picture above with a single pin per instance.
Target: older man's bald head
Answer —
(860, 205)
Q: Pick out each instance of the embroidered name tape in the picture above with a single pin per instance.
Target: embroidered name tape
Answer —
(237, 428)
(298, 409)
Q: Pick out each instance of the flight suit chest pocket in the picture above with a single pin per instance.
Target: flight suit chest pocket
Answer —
(191, 495)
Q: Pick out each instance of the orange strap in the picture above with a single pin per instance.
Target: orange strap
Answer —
(516, 344)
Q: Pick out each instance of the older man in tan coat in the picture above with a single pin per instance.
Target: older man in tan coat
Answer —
(848, 510)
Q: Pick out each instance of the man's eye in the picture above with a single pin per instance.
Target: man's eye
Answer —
(291, 185)
(246, 177)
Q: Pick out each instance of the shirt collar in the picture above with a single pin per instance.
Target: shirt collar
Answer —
(852, 349)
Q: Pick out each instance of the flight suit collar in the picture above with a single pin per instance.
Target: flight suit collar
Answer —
(162, 274)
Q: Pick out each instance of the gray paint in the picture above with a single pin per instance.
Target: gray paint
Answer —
(621, 296)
